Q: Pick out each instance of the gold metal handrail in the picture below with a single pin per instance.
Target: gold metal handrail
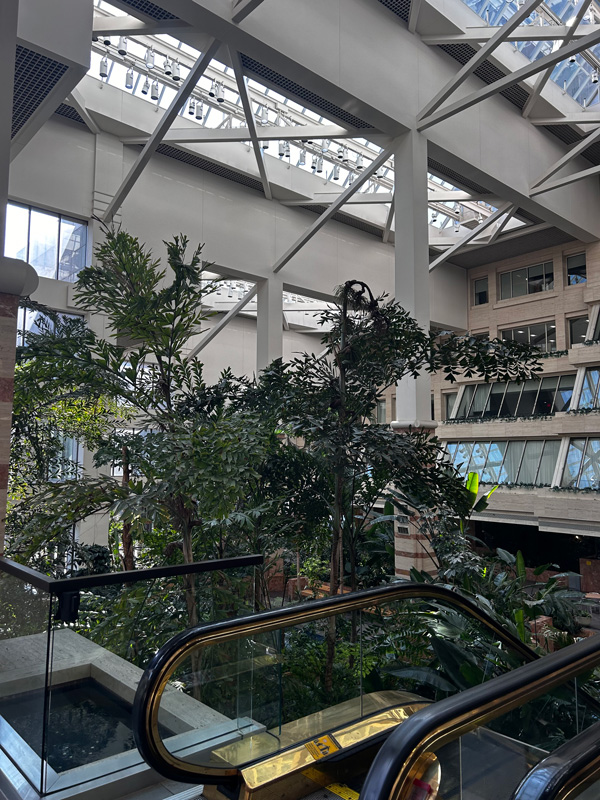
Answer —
(171, 655)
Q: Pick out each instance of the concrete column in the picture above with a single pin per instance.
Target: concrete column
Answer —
(17, 279)
(269, 321)
(413, 397)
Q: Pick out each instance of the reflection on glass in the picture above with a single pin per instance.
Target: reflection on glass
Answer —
(589, 391)
(43, 243)
(491, 473)
(479, 456)
(590, 468)
(565, 393)
(463, 456)
(72, 253)
(573, 462)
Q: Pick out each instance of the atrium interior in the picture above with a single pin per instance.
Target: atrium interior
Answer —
(444, 153)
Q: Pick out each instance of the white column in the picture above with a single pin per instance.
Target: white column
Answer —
(269, 321)
(413, 397)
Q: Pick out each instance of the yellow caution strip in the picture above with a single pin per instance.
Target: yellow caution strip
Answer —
(342, 791)
(321, 747)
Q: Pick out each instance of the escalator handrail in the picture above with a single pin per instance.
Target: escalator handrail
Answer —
(165, 661)
(568, 770)
(396, 764)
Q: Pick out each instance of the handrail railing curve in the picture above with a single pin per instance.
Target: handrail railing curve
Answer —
(177, 649)
(394, 767)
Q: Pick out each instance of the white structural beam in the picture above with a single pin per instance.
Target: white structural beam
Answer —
(330, 197)
(524, 33)
(583, 118)
(77, 100)
(544, 77)
(241, 9)
(165, 123)
(333, 208)
(502, 224)
(236, 62)
(197, 134)
(472, 234)
(509, 80)
(480, 56)
(413, 16)
(231, 314)
(568, 179)
(269, 329)
(388, 223)
(583, 145)
(130, 26)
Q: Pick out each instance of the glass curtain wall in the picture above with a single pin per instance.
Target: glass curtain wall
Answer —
(530, 398)
(582, 467)
(529, 462)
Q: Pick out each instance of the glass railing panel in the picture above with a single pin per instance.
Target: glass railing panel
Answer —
(24, 641)
(492, 760)
(99, 654)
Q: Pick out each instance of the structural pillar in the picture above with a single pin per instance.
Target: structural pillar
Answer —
(411, 288)
(269, 321)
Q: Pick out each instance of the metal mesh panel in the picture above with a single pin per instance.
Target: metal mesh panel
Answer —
(209, 166)
(310, 99)
(454, 177)
(401, 8)
(35, 77)
(66, 111)
(150, 9)
(347, 220)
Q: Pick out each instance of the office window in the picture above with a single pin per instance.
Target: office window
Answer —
(530, 462)
(381, 412)
(578, 330)
(582, 467)
(589, 391)
(29, 321)
(56, 246)
(480, 291)
(576, 269)
(527, 399)
(449, 400)
(541, 335)
(527, 280)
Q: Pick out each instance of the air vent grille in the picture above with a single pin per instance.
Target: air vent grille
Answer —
(150, 9)
(66, 111)
(310, 99)
(209, 166)
(35, 77)
(401, 8)
(454, 177)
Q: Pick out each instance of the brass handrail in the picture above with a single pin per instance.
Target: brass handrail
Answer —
(396, 765)
(176, 650)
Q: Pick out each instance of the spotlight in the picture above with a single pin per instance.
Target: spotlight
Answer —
(287, 150)
(154, 91)
(320, 164)
(176, 71)
(456, 226)
(345, 155)
(313, 166)
(351, 178)
(122, 46)
(167, 66)
(325, 147)
(104, 68)
(336, 172)
(359, 161)
(149, 58)
(146, 86)
(192, 107)
(264, 115)
(129, 78)
(199, 109)
(302, 159)
(340, 152)
(281, 149)
(434, 215)
(595, 76)
(106, 41)
(479, 218)
(572, 59)
(211, 91)
(219, 94)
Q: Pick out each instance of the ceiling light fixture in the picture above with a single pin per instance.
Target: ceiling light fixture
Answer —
(336, 172)
(167, 67)
(199, 109)
(192, 107)
(176, 71)
(320, 164)
(146, 86)
(104, 67)
(122, 46)
(129, 78)
(154, 91)
(149, 58)
(302, 159)
(219, 93)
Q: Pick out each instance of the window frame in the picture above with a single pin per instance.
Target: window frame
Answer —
(487, 291)
(511, 272)
(567, 276)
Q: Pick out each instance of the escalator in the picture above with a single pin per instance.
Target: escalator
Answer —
(294, 703)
